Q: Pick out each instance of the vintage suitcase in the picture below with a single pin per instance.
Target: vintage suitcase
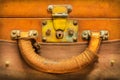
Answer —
(59, 40)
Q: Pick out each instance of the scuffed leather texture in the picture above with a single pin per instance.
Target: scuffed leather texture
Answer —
(92, 15)
(81, 8)
(26, 24)
(18, 69)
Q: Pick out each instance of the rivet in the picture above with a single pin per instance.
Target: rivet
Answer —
(44, 22)
(44, 39)
(34, 34)
(71, 32)
(69, 7)
(112, 62)
(50, 7)
(86, 34)
(13, 33)
(7, 63)
(74, 39)
(75, 22)
(48, 32)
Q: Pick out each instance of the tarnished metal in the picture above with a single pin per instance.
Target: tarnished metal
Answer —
(86, 34)
(16, 34)
(104, 34)
(59, 28)
(7, 63)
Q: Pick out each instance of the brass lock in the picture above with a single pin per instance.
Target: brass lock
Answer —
(59, 28)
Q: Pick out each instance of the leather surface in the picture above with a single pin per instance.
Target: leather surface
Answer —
(91, 14)
(26, 24)
(81, 8)
(18, 69)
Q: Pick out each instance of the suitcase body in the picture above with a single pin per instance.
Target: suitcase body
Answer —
(92, 15)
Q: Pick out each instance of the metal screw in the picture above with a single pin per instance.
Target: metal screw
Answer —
(44, 22)
(75, 22)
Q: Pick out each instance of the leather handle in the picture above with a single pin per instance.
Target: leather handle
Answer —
(87, 57)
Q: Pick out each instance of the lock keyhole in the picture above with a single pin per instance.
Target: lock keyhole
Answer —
(59, 34)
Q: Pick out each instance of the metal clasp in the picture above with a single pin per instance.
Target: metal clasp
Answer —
(59, 28)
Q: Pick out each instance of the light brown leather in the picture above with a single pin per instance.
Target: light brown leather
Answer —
(26, 24)
(18, 68)
(101, 9)
(81, 8)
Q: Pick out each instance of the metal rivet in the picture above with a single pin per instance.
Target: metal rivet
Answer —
(75, 22)
(48, 32)
(50, 7)
(70, 32)
(86, 34)
(69, 7)
(74, 39)
(44, 22)
(112, 62)
(15, 34)
(44, 39)
(33, 33)
(7, 63)
(104, 34)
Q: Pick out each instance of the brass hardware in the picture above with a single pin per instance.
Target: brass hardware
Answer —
(7, 63)
(16, 34)
(59, 34)
(74, 39)
(44, 22)
(86, 34)
(70, 32)
(44, 39)
(75, 22)
(48, 32)
(59, 28)
(112, 62)
(60, 10)
(33, 33)
(103, 33)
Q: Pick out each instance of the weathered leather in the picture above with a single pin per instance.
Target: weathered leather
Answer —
(76, 63)
(81, 8)
(18, 68)
(26, 24)
(94, 15)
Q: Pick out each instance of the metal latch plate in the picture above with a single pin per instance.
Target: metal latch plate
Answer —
(70, 32)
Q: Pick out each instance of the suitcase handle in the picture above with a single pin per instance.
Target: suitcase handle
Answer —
(87, 57)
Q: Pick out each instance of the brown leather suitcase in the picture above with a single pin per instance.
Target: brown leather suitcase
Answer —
(59, 40)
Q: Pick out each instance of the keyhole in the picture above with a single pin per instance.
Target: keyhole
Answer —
(59, 34)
